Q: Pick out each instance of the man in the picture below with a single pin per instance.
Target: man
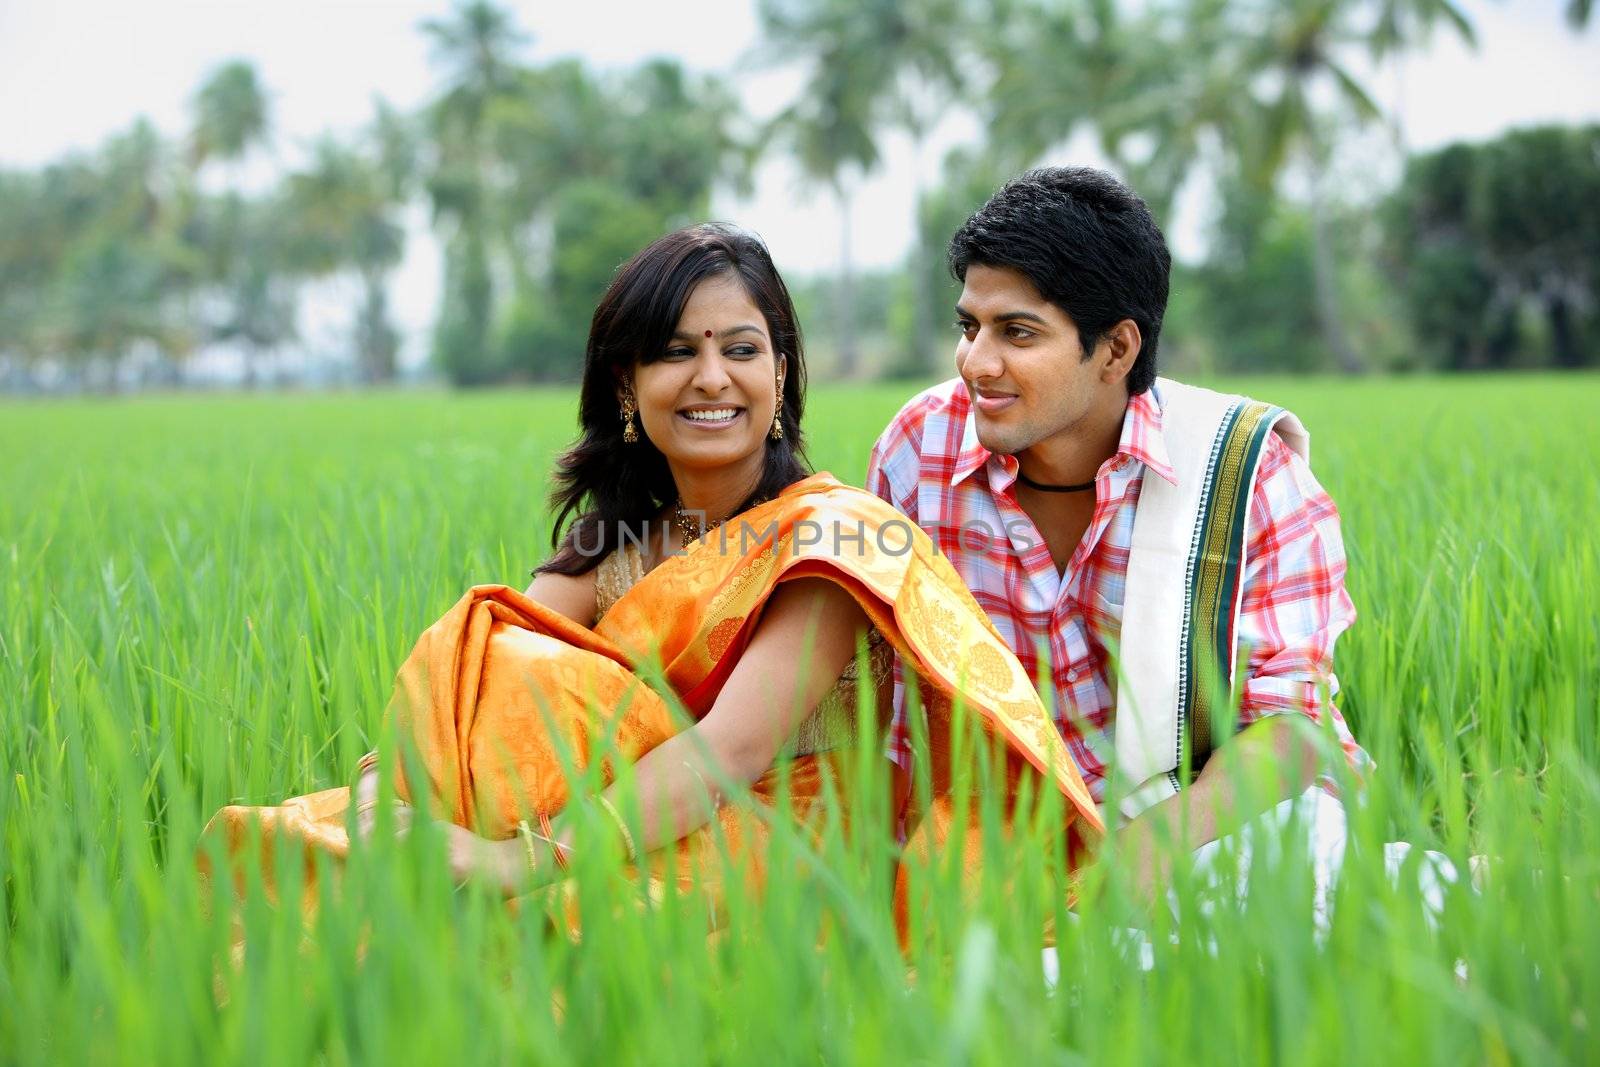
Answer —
(1145, 545)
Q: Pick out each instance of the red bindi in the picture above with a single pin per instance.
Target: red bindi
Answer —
(708, 333)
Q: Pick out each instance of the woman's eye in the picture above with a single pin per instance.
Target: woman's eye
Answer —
(680, 353)
(742, 351)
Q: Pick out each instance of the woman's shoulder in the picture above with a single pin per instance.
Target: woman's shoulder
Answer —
(573, 595)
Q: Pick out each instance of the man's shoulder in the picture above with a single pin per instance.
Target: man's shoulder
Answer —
(1204, 411)
(1170, 393)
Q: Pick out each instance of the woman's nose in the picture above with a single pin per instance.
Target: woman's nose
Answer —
(710, 376)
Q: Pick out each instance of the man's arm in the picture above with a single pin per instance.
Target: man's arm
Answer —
(1266, 763)
(1294, 606)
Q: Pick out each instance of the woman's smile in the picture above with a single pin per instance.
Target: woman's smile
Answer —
(711, 417)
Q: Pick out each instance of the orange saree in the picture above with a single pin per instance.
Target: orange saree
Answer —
(501, 690)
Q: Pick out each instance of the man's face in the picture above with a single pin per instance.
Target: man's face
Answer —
(1022, 362)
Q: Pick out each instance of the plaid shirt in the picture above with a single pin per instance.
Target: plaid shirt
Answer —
(929, 464)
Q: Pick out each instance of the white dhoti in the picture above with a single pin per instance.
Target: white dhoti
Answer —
(1310, 828)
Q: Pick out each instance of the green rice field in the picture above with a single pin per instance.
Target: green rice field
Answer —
(203, 601)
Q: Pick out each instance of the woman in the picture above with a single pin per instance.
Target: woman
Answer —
(694, 537)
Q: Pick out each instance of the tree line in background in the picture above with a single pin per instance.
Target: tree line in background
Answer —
(542, 178)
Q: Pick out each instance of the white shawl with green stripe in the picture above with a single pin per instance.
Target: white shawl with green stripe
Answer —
(1185, 581)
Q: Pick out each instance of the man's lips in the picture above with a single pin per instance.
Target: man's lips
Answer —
(993, 403)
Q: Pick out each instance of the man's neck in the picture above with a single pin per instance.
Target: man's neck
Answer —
(1074, 456)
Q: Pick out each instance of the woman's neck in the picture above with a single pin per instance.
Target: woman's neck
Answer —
(718, 491)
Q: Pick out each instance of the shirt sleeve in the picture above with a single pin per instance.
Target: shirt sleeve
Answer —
(1294, 604)
(896, 461)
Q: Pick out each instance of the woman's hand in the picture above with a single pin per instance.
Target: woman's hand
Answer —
(501, 864)
(366, 802)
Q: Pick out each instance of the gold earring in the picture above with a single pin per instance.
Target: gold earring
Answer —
(777, 417)
(629, 433)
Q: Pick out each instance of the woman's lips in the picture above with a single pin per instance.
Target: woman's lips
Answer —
(710, 424)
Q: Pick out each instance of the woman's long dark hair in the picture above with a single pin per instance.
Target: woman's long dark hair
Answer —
(611, 486)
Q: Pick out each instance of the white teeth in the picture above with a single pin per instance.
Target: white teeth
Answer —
(719, 415)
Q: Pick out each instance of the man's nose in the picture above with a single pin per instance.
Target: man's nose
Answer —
(979, 358)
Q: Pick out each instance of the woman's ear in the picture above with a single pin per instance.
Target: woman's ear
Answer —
(783, 367)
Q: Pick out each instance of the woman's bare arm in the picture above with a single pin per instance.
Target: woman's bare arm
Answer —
(805, 638)
(571, 595)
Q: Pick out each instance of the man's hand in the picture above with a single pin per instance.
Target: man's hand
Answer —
(1270, 761)
(1147, 859)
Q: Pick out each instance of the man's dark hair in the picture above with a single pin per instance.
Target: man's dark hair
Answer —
(1088, 244)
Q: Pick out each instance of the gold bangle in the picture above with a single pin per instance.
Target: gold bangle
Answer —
(629, 850)
(525, 832)
(366, 763)
(558, 851)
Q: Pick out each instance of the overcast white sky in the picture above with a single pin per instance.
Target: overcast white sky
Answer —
(73, 71)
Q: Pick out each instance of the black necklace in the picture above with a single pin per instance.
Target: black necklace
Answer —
(1081, 487)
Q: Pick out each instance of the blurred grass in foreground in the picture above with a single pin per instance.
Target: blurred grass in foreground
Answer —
(204, 601)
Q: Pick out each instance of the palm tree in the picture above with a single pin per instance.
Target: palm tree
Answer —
(475, 49)
(830, 128)
(342, 214)
(231, 115)
(553, 125)
(1244, 88)
(920, 49)
(109, 300)
(831, 137)
(1056, 68)
(259, 312)
(1297, 49)
(1153, 87)
(232, 118)
(1401, 25)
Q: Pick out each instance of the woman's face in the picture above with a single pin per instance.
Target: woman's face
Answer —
(708, 402)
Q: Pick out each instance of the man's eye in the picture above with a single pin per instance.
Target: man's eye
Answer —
(967, 328)
(1018, 333)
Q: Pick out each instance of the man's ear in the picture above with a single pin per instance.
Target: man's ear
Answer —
(1120, 347)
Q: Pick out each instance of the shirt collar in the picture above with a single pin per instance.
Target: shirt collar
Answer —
(1142, 440)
